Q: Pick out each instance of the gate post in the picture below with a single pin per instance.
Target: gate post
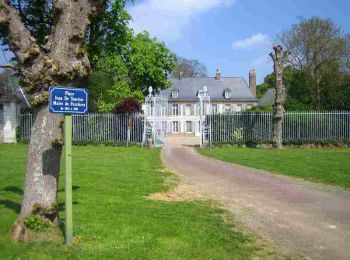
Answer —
(204, 100)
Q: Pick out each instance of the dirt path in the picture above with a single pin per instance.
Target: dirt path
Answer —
(307, 218)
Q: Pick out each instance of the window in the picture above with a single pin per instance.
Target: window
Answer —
(189, 126)
(239, 107)
(175, 110)
(227, 93)
(175, 94)
(244, 107)
(227, 108)
(214, 108)
(189, 110)
(175, 126)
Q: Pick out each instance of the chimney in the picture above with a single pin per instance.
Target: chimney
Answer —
(252, 81)
(218, 74)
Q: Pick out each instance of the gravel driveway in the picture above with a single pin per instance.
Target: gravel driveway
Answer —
(306, 218)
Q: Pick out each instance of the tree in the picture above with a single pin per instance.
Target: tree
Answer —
(8, 84)
(315, 45)
(58, 59)
(143, 62)
(128, 105)
(189, 68)
(279, 59)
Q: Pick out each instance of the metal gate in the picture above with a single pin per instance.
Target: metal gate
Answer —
(204, 108)
(155, 120)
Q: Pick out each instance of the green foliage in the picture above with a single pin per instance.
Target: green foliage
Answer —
(260, 109)
(109, 32)
(36, 223)
(261, 89)
(299, 89)
(319, 51)
(144, 62)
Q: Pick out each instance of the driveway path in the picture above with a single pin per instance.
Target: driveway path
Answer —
(306, 218)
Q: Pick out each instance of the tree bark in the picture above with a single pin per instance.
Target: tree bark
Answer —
(42, 170)
(62, 60)
(279, 58)
(43, 162)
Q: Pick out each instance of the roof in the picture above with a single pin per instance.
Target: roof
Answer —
(189, 87)
(268, 98)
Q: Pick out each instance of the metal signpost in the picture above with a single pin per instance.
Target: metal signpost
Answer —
(68, 101)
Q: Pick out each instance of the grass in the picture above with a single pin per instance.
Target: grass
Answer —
(112, 217)
(329, 166)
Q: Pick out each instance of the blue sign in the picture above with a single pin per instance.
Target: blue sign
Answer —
(68, 100)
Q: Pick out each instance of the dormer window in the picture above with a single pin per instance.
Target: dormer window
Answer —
(227, 93)
(175, 94)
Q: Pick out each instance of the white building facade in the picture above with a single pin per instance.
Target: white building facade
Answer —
(227, 95)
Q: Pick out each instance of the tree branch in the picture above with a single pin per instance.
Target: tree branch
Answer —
(8, 66)
(21, 42)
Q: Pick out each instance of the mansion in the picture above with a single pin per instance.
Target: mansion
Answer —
(227, 95)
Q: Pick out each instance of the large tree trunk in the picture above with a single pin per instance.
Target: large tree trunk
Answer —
(43, 162)
(61, 60)
(279, 59)
(42, 170)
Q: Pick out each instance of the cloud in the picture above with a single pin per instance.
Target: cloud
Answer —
(167, 19)
(254, 41)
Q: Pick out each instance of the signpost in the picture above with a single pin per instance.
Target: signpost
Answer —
(68, 101)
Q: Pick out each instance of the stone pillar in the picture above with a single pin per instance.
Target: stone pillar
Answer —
(10, 122)
(252, 81)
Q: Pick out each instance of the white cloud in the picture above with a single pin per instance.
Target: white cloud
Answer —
(256, 40)
(166, 19)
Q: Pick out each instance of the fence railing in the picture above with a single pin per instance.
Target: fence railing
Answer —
(239, 127)
(297, 126)
(96, 127)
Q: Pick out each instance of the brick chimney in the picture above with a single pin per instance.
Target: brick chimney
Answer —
(218, 75)
(252, 81)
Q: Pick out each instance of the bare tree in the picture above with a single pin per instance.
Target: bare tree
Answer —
(188, 68)
(315, 44)
(60, 60)
(279, 59)
(8, 84)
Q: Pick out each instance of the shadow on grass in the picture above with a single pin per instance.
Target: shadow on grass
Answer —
(11, 205)
(14, 189)
(74, 187)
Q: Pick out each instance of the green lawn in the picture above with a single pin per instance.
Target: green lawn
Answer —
(330, 166)
(112, 218)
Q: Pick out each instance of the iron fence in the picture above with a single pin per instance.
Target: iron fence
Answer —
(256, 127)
(239, 127)
(96, 127)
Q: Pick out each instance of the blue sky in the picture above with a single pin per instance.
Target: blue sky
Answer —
(232, 35)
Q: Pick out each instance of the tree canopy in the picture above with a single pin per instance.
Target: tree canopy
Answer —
(189, 68)
(319, 48)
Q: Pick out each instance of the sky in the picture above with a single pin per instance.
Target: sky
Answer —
(233, 36)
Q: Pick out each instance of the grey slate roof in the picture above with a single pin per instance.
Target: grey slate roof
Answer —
(189, 87)
(268, 98)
